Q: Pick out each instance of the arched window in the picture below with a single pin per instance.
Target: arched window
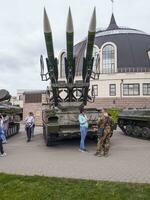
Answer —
(109, 61)
(148, 52)
(62, 64)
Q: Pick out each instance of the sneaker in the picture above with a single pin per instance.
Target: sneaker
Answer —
(106, 155)
(4, 154)
(99, 155)
(81, 150)
(96, 154)
(85, 150)
(4, 142)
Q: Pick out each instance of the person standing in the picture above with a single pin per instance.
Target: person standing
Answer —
(83, 120)
(5, 125)
(1, 138)
(103, 143)
(29, 121)
(32, 130)
(100, 124)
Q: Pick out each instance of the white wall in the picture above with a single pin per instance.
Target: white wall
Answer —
(118, 78)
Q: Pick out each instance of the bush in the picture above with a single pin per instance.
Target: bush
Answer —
(114, 112)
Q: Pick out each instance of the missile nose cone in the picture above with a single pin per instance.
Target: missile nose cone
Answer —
(47, 27)
(92, 27)
(69, 27)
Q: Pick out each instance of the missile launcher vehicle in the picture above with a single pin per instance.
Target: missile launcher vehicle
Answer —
(60, 119)
(135, 122)
(13, 113)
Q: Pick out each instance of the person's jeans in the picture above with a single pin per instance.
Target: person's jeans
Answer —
(1, 147)
(3, 137)
(83, 132)
(32, 130)
(28, 131)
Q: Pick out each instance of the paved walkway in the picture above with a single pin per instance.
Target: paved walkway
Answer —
(129, 159)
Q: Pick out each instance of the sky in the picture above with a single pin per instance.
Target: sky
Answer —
(22, 39)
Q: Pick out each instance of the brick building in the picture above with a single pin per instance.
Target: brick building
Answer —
(34, 101)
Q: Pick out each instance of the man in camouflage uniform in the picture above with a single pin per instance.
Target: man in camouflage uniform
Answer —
(105, 123)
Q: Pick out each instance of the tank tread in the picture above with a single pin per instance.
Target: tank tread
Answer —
(50, 140)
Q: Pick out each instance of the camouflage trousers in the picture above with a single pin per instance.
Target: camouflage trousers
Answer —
(103, 143)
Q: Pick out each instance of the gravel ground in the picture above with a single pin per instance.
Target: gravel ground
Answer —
(129, 159)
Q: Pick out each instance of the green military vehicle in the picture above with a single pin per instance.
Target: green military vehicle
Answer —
(62, 122)
(13, 113)
(66, 97)
(135, 122)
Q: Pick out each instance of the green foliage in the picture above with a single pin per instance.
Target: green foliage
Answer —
(114, 113)
(43, 188)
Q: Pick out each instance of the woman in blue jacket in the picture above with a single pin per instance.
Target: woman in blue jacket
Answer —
(83, 120)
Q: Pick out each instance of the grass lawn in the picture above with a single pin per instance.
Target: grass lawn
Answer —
(15, 187)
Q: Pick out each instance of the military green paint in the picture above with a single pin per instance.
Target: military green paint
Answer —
(70, 42)
(87, 62)
(90, 44)
(49, 45)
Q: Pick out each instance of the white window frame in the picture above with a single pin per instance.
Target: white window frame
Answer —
(147, 89)
(112, 91)
(131, 89)
(60, 63)
(101, 56)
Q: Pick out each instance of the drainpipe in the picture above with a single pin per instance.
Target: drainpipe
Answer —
(121, 84)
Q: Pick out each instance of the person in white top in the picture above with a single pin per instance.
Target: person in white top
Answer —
(29, 122)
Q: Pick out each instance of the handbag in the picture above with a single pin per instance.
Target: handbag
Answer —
(100, 132)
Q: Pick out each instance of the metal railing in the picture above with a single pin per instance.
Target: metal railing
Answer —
(133, 69)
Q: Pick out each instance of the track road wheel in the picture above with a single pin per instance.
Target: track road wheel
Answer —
(146, 132)
(121, 123)
(129, 130)
(137, 131)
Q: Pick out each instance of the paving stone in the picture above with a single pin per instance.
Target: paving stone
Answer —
(129, 158)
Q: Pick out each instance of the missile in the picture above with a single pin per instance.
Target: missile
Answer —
(88, 61)
(91, 36)
(51, 61)
(52, 64)
(69, 61)
(69, 37)
(48, 36)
